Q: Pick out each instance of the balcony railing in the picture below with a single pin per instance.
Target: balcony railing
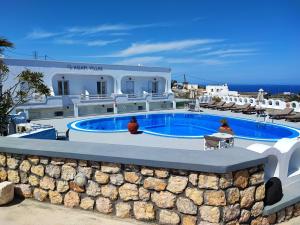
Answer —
(94, 97)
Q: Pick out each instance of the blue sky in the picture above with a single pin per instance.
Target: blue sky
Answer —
(244, 42)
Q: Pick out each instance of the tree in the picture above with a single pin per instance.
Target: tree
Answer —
(27, 83)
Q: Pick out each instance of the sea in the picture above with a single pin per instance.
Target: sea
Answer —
(269, 88)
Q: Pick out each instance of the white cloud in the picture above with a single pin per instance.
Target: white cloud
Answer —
(232, 52)
(195, 61)
(140, 60)
(136, 49)
(84, 42)
(40, 34)
(111, 27)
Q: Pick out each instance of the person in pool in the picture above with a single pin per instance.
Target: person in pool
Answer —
(133, 125)
(224, 128)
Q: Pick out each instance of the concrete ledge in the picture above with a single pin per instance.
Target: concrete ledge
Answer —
(290, 197)
(218, 161)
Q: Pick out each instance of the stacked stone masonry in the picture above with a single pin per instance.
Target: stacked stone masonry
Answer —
(164, 196)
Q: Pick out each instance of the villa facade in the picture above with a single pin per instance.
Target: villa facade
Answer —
(80, 89)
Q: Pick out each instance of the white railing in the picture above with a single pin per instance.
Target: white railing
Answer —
(94, 97)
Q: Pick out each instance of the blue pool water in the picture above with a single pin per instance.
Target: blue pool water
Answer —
(187, 125)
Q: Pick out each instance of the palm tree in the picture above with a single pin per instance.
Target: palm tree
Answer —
(4, 43)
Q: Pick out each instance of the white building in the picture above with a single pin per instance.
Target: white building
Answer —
(220, 90)
(79, 89)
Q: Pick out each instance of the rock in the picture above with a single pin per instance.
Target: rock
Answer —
(109, 191)
(129, 192)
(3, 174)
(280, 216)
(260, 193)
(44, 161)
(143, 211)
(87, 171)
(155, 184)
(123, 210)
(208, 181)
(193, 179)
(23, 177)
(161, 173)
(247, 197)
(93, 189)
(241, 179)
(59, 161)
(6, 192)
(74, 187)
(101, 178)
(47, 183)
(117, 179)
(55, 197)
(163, 199)
(53, 171)
(186, 206)
(272, 218)
(23, 190)
(38, 170)
(289, 212)
(25, 166)
(233, 195)
(245, 216)
(132, 177)
(13, 176)
(68, 173)
(168, 217)
(257, 178)
(34, 160)
(40, 194)
(209, 214)
(189, 220)
(104, 205)
(195, 195)
(33, 180)
(82, 163)
(68, 162)
(87, 203)
(177, 184)
(2, 160)
(297, 209)
(231, 212)
(80, 180)
(226, 180)
(147, 172)
(71, 199)
(215, 198)
(94, 165)
(12, 163)
(110, 168)
(62, 186)
(257, 209)
(144, 194)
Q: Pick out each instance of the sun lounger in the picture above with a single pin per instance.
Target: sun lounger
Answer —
(192, 107)
(207, 105)
(280, 114)
(217, 105)
(293, 118)
(226, 106)
(249, 110)
(240, 108)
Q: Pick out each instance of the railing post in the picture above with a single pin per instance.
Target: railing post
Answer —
(174, 104)
(115, 108)
(75, 110)
(147, 106)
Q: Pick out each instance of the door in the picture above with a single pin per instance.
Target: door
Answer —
(63, 87)
(130, 87)
(101, 88)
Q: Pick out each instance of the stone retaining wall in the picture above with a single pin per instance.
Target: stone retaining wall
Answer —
(284, 214)
(165, 196)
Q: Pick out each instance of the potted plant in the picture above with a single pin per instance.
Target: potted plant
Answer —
(133, 125)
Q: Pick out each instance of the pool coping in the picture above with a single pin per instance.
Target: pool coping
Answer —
(214, 161)
(72, 126)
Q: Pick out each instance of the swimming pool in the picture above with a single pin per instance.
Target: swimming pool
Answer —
(187, 125)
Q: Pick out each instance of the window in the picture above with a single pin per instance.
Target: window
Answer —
(101, 88)
(153, 87)
(63, 87)
(129, 87)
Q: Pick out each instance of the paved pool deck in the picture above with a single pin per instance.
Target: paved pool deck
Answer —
(151, 140)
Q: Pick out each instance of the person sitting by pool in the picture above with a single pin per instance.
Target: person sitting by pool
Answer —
(133, 125)
(224, 128)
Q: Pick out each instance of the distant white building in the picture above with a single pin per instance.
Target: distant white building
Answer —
(192, 86)
(79, 89)
(220, 90)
